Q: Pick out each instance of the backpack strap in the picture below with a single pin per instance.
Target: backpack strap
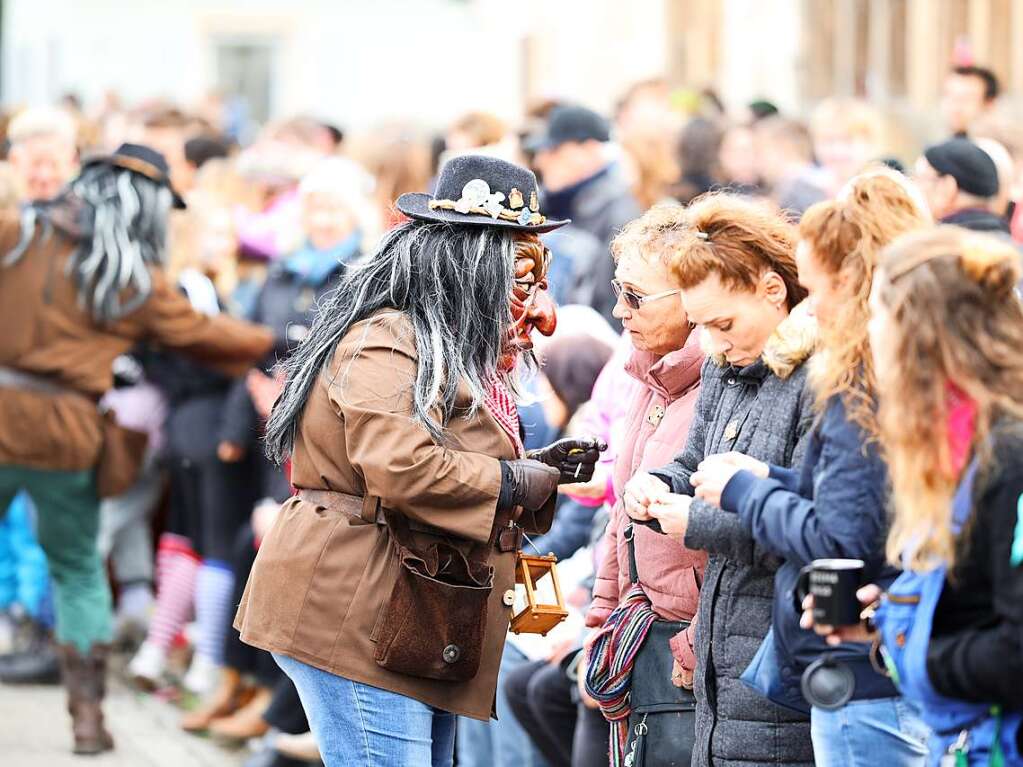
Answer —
(962, 501)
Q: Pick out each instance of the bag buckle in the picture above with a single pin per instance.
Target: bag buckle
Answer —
(641, 730)
(956, 755)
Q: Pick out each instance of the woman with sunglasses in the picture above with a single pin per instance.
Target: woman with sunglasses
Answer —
(639, 566)
(734, 261)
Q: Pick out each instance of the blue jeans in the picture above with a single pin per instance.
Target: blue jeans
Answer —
(868, 733)
(356, 724)
(501, 742)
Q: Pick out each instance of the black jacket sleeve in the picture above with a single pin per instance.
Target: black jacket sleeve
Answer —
(240, 423)
(845, 517)
(984, 661)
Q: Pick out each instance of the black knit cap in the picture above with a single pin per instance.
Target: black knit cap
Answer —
(477, 190)
(569, 123)
(972, 168)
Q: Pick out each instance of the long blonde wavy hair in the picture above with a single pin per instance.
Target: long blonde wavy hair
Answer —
(946, 300)
(846, 236)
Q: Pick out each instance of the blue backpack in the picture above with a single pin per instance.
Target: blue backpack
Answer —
(963, 733)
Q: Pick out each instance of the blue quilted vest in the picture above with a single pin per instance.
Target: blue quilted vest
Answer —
(963, 733)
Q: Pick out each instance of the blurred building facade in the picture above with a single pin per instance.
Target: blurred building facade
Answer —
(894, 53)
(362, 62)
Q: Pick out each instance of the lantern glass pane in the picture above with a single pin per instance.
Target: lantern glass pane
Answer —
(543, 586)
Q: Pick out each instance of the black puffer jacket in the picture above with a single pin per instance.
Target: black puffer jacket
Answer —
(286, 304)
(764, 410)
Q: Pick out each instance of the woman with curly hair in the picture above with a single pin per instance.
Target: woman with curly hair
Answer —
(834, 506)
(946, 330)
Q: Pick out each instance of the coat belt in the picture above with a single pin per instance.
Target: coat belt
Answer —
(367, 509)
(342, 503)
(12, 378)
(364, 508)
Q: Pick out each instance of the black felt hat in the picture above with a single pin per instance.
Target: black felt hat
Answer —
(972, 168)
(143, 160)
(481, 191)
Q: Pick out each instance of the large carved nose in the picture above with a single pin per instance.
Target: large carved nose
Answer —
(541, 313)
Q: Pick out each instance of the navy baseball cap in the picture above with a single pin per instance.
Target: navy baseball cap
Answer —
(972, 168)
(569, 123)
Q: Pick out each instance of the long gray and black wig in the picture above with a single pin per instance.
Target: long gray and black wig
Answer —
(453, 282)
(120, 220)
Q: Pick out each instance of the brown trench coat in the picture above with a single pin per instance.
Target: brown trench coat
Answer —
(45, 332)
(321, 581)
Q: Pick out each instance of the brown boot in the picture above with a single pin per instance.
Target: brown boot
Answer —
(85, 682)
(230, 695)
(247, 722)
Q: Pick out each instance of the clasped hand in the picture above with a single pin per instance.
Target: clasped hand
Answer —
(646, 497)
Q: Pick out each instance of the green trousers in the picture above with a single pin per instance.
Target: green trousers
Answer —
(68, 525)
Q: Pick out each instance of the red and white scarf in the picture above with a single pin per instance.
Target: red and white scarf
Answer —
(499, 400)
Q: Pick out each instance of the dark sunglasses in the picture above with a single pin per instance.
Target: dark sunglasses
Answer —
(634, 300)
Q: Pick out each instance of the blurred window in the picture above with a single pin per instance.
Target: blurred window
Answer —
(245, 70)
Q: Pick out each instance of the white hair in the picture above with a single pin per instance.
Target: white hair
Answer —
(351, 184)
(338, 176)
(42, 121)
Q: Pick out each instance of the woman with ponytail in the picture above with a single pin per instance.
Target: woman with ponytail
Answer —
(834, 505)
(946, 332)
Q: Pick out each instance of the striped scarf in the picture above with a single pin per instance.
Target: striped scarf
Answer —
(612, 655)
(500, 402)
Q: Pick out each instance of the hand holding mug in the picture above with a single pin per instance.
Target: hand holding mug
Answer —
(857, 632)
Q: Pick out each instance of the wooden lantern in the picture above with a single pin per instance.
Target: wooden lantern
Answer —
(536, 617)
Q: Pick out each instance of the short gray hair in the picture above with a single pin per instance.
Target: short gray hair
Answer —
(36, 122)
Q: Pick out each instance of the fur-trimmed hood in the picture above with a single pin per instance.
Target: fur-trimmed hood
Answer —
(791, 344)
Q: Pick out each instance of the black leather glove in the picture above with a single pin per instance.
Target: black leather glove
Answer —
(573, 458)
(526, 483)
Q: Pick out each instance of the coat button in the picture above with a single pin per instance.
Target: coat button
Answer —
(452, 653)
(508, 598)
(731, 382)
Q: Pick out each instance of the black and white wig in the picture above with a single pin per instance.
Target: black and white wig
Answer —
(453, 282)
(122, 228)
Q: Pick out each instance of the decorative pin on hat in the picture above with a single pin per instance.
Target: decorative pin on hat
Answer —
(473, 189)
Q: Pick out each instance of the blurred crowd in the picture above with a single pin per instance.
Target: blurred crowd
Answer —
(271, 225)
